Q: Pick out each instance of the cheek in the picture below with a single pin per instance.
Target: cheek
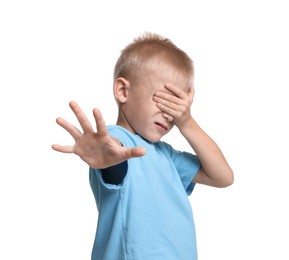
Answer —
(144, 108)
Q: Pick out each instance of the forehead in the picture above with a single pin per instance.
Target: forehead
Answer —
(166, 74)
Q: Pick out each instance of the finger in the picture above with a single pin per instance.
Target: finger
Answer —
(133, 152)
(63, 149)
(124, 154)
(161, 103)
(100, 123)
(177, 91)
(168, 110)
(191, 94)
(168, 117)
(75, 133)
(81, 117)
(161, 96)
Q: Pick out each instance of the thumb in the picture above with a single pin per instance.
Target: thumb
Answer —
(134, 152)
(191, 94)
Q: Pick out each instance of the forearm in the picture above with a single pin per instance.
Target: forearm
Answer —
(215, 170)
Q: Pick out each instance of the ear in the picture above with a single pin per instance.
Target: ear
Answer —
(121, 89)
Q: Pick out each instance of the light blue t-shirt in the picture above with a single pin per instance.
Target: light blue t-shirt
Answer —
(148, 216)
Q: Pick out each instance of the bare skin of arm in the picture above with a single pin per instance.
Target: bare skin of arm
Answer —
(97, 148)
(175, 104)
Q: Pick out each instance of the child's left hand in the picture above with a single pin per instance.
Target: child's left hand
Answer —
(175, 105)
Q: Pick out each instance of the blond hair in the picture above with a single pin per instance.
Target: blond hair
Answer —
(148, 51)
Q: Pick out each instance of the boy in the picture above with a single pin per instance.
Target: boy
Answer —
(140, 183)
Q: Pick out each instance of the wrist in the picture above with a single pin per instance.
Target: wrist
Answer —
(187, 125)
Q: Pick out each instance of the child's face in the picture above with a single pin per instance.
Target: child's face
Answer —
(140, 115)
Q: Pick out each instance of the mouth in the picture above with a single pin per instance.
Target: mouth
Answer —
(161, 126)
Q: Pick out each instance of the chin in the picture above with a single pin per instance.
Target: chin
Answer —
(152, 139)
(151, 136)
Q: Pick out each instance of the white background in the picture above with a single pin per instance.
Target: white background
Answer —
(52, 52)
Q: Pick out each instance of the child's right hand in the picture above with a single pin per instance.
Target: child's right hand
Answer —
(98, 149)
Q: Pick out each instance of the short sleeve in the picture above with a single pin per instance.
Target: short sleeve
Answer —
(187, 165)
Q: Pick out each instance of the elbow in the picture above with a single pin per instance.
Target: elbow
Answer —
(220, 179)
(227, 180)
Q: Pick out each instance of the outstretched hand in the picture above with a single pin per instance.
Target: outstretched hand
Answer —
(98, 149)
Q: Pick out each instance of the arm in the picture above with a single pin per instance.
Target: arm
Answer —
(98, 149)
(215, 171)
